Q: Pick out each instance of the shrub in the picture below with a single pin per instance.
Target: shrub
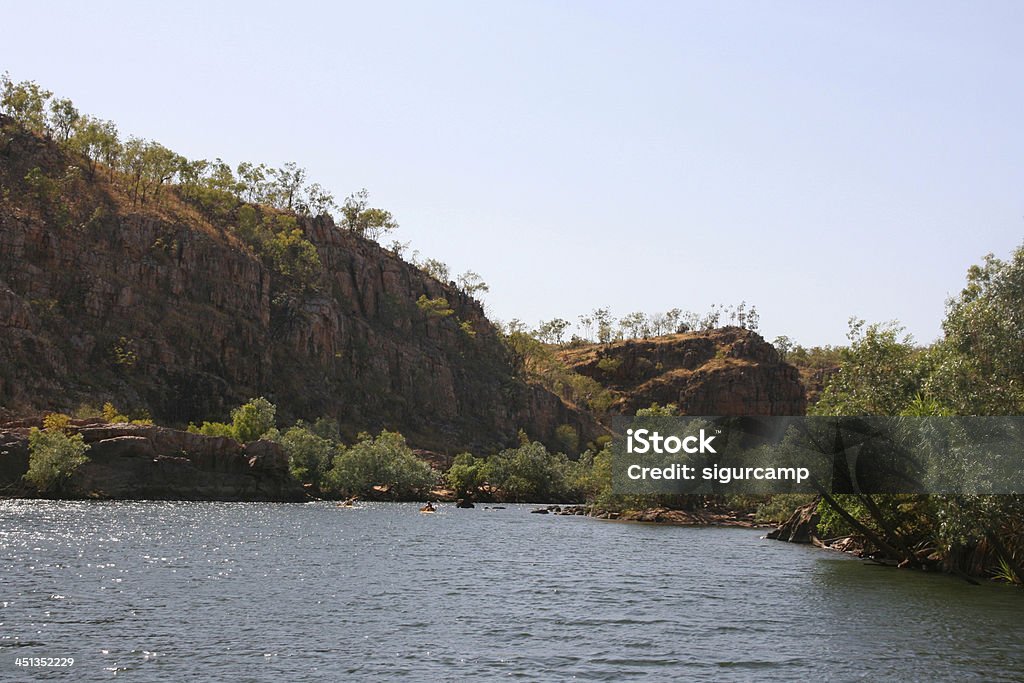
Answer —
(385, 461)
(254, 419)
(467, 474)
(309, 454)
(53, 454)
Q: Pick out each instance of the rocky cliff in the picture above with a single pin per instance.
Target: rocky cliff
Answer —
(158, 308)
(145, 462)
(731, 371)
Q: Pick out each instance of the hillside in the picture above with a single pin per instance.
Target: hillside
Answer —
(159, 306)
(729, 371)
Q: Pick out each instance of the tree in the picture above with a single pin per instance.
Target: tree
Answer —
(471, 283)
(358, 216)
(54, 455)
(25, 102)
(96, 140)
(253, 419)
(980, 362)
(385, 461)
(309, 454)
(436, 269)
(434, 308)
(466, 475)
(293, 256)
(317, 201)
(253, 181)
(658, 410)
(63, 117)
(605, 324)
(529, 473)
(879, 374)
(783, 345)
(635, 325)
(672, 318)
(287, 182)
(552, 331)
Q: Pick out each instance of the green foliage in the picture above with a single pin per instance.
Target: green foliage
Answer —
(656, 410)
(591, 476)
(253, 419)
(385, 461)
(53, 454)
(552, 331)
(471, 283)
(249, 422)
(435, 308)
(213, 429)
(467, 329)
(124, 352)
(879, 374)
(979, 365)
(539, 363)
(530, 473)
(358, 216)
(309, 454)
(293, 256)
(25, 102)
(567, 439)
(609, 365)
(435, 269)
(466, 474)
(113, 415)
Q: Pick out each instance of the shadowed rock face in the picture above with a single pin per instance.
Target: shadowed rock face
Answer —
(155, 463)
(155, 307)
(731, 372)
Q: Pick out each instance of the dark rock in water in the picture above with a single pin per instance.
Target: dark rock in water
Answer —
(149, 462)
(801, 527)
(539, 511)
(464, 503)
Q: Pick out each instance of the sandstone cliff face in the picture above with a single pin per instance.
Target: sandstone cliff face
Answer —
(727, 372)
(145, 462)
(156, 308)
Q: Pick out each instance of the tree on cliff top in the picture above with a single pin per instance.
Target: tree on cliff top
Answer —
(358, 216)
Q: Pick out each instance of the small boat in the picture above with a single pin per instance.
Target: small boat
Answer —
(348, 502)
(427, 509)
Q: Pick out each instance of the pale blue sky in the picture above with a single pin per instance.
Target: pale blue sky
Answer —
(819, 160)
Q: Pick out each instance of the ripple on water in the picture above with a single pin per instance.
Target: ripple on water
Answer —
(263, 592)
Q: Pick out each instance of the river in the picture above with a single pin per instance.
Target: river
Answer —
(148, 591)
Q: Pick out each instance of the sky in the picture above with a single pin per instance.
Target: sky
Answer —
(816, 160)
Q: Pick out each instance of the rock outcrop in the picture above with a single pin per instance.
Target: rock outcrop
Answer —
(145, 462)
(801, 527)
(156, 307)
(730, 372)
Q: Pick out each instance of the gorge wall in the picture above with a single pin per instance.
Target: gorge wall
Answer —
(157, 308)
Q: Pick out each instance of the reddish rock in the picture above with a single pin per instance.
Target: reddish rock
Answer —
(157, 308)
(725, 372)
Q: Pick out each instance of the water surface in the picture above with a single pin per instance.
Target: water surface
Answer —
(147, 591)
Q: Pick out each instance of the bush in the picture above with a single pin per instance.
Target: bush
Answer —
(309, 454)
(385, 461)
(53, 454)
(530, 474)
(253, 420)
(467, 474)
(248, 422)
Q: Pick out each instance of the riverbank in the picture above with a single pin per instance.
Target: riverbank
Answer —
(147, 462)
